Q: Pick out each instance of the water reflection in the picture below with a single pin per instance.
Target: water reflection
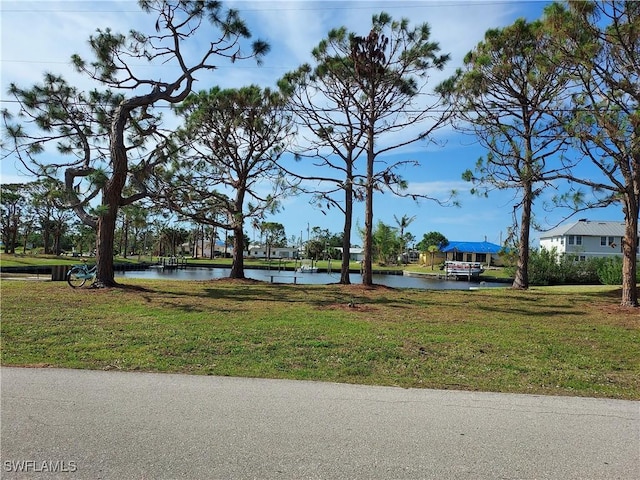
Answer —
(275, 276)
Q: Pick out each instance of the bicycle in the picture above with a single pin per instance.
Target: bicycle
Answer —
(79, 274)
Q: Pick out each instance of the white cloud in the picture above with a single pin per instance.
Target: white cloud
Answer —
(437, 189)
(41, 36)
(14, 178)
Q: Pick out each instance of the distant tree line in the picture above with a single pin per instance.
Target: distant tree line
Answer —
(33, 220)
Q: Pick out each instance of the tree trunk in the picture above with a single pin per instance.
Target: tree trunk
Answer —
(57, 239)
(346, 253)
(104, 249)
(125, 234)
(237, 218)
(521, 280)
(212, 242)
(346, 232)
(134, 247)
(14, 236)
(46, 238)
(237, 267)
(629, 252)
(111, 198)
(367, 266)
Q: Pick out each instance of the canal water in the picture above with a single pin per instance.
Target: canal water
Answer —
(275, 276)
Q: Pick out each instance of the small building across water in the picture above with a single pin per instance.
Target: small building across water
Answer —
(486, 253)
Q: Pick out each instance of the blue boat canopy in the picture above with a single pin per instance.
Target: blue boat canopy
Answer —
(472, 247)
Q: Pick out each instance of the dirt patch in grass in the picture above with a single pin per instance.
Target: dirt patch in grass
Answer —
(357, 297)
(349, 307)
(237, 281)
(360, 288)
(625, 316)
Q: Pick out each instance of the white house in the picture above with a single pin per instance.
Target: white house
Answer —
(356, 254)
(585, 239)
(261, 251)
(208, 250)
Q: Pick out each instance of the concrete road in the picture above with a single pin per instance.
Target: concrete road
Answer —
(111, 425)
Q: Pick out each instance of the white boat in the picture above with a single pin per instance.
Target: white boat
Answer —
(463, 269)
(307, 268)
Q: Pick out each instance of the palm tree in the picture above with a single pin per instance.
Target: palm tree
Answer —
(403, 223)
(433, 249)
(255, 224)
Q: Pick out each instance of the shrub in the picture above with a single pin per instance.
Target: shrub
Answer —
(546, 267)
(610, 271)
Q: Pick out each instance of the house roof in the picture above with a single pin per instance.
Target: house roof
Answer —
(472, 247)
(587, 228)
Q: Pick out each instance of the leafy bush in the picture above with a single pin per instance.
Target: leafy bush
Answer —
(547, 268)
(610, 271)
(544, 268)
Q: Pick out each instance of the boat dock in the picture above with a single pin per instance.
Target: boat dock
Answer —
(169, 263)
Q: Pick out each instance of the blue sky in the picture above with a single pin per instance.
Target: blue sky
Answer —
(41, 36)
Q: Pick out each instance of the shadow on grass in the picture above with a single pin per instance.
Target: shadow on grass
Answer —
(238, 291)
(548, 311)
(538, 303)
(613, 294)
(255, 291)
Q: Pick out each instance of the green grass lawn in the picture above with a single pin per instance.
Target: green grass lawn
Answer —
(556, 341)
(20, 260)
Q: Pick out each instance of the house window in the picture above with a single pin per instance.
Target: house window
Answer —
(603, 241)
(612, 240)
(575, 239)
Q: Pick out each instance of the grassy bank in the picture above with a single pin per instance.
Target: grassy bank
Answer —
(560, 341)
(19, 260)
(23, 260)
